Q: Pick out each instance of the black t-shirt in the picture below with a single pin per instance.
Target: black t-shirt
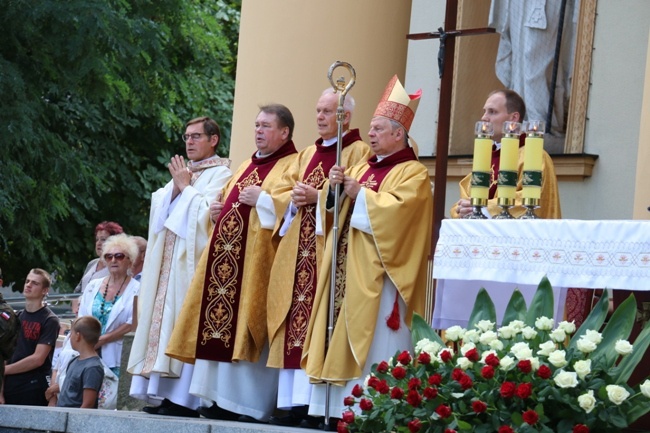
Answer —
(39, 327)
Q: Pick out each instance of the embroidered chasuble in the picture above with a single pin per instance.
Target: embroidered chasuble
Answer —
(223, 317)
(294, 275)
(550, 197)
(399, 206)
(177, 236)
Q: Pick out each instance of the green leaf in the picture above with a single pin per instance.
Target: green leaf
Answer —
(618, 327)
(638, 408)
(542, 302)
(594, 320)
(483, 309)
(516, 309)
(629, 362)
(420, 329)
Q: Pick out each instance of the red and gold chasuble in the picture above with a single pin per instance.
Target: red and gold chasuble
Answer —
(223, 278)
(306, 274)
(371, 179)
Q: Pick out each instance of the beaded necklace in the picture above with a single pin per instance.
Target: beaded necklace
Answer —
(104, 301)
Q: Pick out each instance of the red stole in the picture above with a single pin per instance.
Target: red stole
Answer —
(371, 179)
(306, 274)
(224, 272)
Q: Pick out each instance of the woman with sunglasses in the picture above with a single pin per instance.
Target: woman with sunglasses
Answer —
(110, 299)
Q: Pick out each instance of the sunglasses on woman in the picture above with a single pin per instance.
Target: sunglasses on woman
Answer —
(118, 256)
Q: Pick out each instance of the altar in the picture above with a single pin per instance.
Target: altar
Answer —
(503, 255)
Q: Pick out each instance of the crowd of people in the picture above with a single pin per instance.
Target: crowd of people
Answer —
(230, 296)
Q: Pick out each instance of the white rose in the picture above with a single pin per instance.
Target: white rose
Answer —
(454, 333)
(496, 345)
(546, 348)
(466, 348)
(594, 336)
(534, 363)
(558, 335)
(485, 325)
(428, 346)
(458, 395)
(567, 327)
(645, 388)
(506, 363)
(507, 332)
(529, 333)
(471, 336)
(616, 394)
(558, 358)
(517, 325)
(544, 323)
(623, 347)
(583, 368)
(521, 351)
(585, 345)
(464, 363)
(587, 401)
(566, 379)
(487, 337)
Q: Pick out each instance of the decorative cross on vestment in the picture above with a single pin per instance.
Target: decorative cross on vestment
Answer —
(446, 68)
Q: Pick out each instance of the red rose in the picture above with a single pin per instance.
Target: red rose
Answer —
(399, 372)
(397, 393)
(342, 427)
(357, 391)
(382, 367)
(414, 398)
(430, 393)
(487, 372)
(507, 389)
(443, 411)
(544, 372)
(424, 358)
(506, 429)
(530, 417)
(365, 404)
(435, 379)
(478, 406)
(450, 430)
(580, 428)
(373, 381)
(492, 360)
(348, 401)
(404, 358)
(382, 387)
(524, 390)
(525, 366)
(415, 425)
(348, 416)
(466, 382)
(472, 355)
(445, 356)
(457, 373)
(414, 383)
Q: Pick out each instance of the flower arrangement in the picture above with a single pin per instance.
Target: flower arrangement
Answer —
(527, 376)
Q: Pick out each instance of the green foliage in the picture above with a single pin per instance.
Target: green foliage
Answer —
(95, 95)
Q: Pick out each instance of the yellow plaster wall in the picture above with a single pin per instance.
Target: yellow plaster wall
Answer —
(642, 188)
(287, 46)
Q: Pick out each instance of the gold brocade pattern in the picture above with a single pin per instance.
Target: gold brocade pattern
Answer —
(341, 264)
(317, 177)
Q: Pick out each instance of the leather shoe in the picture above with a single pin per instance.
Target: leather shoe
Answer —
(177, 410)
(215, 412)
(153, 410)
(312, 422)
(290, 420)
(249, 419)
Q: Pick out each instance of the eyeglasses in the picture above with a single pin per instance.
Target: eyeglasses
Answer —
(118, 256)
(195, 136)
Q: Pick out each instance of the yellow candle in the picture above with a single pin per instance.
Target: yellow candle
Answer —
(533, 151)
(533, 156)
(482, 161)
(509, 160)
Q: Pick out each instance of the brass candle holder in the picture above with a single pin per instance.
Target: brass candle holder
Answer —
(477, 209)
(505, 204)
(530, 204)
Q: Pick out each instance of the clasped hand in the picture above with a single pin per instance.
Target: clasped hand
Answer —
(350, 185)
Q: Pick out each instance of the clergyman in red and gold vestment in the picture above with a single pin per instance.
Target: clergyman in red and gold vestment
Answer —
(381, 262)
(222, 326)
(297, 262)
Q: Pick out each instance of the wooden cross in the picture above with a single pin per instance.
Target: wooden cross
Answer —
(446, 68)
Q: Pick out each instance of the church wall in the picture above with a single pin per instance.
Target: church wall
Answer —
(642, 191)
(287, 46)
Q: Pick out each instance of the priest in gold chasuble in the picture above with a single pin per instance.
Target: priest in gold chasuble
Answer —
(381, 264)
(222, 326)
(294, 275)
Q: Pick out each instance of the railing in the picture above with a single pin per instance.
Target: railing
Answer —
(58, 303)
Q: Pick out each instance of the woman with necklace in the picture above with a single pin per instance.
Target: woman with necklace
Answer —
(110, 299)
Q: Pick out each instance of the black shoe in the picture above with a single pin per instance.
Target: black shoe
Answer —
(249, 419)
(153, 410)
(177, 410)
(312, 422)
(215, 412)
(290, 420)
(332, 425)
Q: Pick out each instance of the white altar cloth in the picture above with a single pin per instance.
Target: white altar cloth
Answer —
(502, 255)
